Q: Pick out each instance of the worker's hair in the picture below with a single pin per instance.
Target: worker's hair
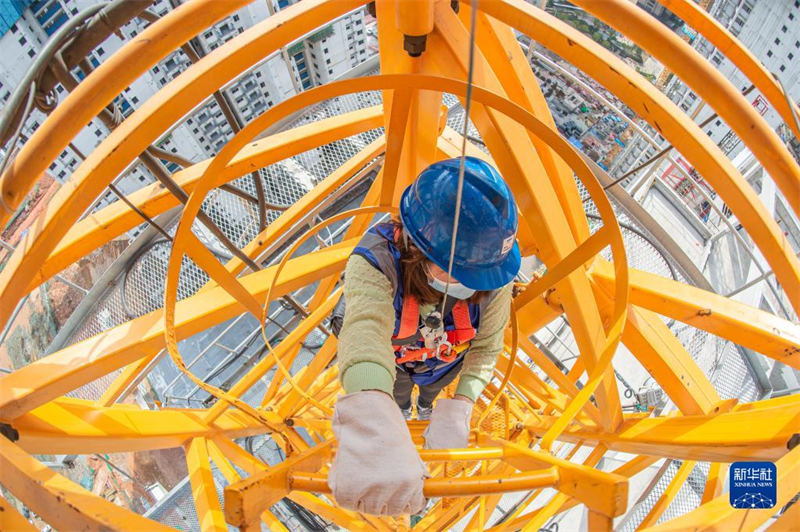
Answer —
(414, 264)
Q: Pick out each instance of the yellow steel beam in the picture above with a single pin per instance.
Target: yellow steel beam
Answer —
(499, 45)
(113, 220)
(715, 481)
(525, 379)
(284, 349)
(663, 356)
(145, 125)
(75, 426)
(231, 475)
(438, 487)
(604, 492)
(668, 495)
(107, 81)
(125, 377)
(514, 155)
(719, 36)
(60, 501)
(420, 111)
(710, 85)
(395, 138)
(289, 404)
(742, 324)
(720, 515)
(345, 519)
(653, 106)
(598, 522)
(357, 227)
(12, 520)
(65, 370)
(204, 493)
(481, 96)
(247, 499)
(788, 521)
(541, 516)
(421, 81)
(718, 438)
(628, 469)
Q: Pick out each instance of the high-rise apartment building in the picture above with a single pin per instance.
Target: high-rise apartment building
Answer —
(325, 54)
(770, 30)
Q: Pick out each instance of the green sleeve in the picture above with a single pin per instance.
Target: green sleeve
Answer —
(486, 347)
(365, 354)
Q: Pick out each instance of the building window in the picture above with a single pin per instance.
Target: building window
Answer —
(791, 16)
(717, 123)
(790, 56)
(777, 41)
(23, 41)
(14, 28)
(327, 61)
(783, 67)
(783, 29)
(769, 53)
(31, 53)
(97, 133)
(325, 50)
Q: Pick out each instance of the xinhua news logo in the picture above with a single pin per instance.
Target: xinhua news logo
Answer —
(753, 485)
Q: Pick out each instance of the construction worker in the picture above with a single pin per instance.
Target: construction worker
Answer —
(394, 335)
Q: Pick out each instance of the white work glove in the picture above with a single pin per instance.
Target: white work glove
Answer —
(449, 425)
(377, 469)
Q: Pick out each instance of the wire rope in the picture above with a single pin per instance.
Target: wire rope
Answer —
(462, 161)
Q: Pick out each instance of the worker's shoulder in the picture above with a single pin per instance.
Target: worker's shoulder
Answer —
(360, 270)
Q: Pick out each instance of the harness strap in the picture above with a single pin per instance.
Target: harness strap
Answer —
(409, 318)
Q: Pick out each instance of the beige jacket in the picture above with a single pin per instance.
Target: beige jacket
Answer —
(366, 356)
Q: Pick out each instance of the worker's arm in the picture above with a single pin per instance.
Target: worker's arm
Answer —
(365, 354)
(486, 347)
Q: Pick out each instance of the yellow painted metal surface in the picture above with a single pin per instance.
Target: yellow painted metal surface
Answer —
(604, 301)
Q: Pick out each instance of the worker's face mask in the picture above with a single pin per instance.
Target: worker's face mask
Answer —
(456, 290)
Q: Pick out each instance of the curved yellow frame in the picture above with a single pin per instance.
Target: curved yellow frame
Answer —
(605, 303)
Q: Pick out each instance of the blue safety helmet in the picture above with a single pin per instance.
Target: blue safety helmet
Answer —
(486, 254)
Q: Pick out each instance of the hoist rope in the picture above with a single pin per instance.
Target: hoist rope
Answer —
(459, 191)
(462, 161)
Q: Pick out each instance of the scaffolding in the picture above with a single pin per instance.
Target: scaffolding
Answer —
(250, 300)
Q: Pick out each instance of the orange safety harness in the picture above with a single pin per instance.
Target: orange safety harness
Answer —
(406, 341)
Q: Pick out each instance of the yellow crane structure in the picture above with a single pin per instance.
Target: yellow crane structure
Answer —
(521, 419)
